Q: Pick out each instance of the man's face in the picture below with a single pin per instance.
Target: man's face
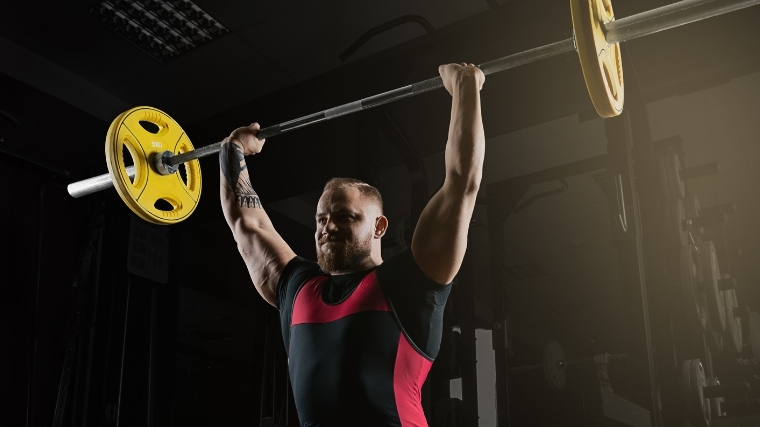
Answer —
(345, 229)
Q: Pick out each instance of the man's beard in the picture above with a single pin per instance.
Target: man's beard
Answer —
(343, 256)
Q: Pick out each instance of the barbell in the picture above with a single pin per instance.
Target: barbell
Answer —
(156, 192)
(555, 365)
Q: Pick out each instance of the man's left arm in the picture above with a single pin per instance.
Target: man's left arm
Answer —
(440, 238)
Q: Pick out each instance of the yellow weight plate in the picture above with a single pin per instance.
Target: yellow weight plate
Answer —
(156, 198)
(601, 62)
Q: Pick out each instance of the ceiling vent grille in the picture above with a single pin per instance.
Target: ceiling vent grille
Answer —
(163, 28)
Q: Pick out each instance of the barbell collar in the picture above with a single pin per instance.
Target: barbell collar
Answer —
(617, 31)
(163, 167)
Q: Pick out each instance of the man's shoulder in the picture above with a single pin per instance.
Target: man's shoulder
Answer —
(402, 268)
(399, 260)
(300, 267)
(296, 273)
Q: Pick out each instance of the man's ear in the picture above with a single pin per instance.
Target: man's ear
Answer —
(381, 226)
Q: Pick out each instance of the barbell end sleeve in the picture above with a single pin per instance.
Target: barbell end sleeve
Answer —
(93, 185)
(670, 16)
(740, 389)
(700, 170)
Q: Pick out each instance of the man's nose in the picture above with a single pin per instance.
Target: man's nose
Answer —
(329, 227)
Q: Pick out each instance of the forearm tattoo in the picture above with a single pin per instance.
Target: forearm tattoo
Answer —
(235, 171)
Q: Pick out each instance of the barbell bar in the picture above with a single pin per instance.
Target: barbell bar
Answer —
(527, 368)
(555, 364)
(612, 32)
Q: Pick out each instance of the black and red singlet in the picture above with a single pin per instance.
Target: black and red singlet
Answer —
(360, 345)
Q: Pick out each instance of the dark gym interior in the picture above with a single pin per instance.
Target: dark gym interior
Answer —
(591, 236)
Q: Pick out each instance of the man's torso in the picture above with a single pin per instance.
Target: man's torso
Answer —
(360, 346)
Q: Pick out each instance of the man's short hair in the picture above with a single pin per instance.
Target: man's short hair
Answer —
(365, 189)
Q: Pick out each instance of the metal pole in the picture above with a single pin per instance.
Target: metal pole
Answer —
(670, 16)
(624, 29)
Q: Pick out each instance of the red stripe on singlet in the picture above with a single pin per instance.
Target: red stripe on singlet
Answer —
(309, 307)
(409, 374)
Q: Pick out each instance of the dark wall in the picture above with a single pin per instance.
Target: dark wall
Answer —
(41, 240)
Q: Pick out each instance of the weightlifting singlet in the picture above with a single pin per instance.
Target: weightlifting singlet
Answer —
(351, 361)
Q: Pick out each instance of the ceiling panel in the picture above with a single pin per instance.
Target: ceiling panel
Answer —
(209, 80)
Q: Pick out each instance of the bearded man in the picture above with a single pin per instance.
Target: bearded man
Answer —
(361, 334)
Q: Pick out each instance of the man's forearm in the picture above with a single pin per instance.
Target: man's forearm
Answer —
(239, 200)
(466, 142)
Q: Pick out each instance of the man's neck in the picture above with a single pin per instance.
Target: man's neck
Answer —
(368, 263)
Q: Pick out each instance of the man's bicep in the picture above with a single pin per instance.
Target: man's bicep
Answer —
(265, 254)
(440, 238)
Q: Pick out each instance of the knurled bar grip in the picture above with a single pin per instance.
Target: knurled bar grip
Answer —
(624, 29)
(428, 85)
(343, 110)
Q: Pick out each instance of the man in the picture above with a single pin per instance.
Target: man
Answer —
(361, 334)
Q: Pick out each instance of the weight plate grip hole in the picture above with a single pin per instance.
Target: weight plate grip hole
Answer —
(163, 205)
(149, 126)
(126, 155)
(183, 173)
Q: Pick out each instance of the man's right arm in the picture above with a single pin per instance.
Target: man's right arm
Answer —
(265, 253)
